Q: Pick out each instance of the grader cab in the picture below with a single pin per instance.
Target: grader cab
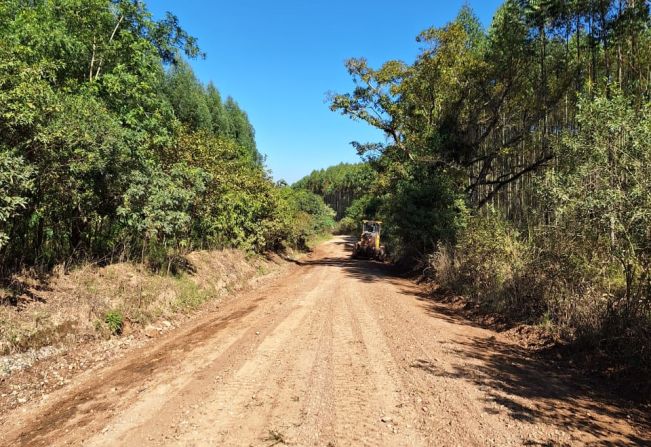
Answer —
(369, 246)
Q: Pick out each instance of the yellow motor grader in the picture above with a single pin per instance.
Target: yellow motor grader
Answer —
(368, 246)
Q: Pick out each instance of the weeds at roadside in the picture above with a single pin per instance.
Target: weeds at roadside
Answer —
(100, 302)
(115, 321)
(191, 296)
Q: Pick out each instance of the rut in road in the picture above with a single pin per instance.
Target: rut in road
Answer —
(335, 353)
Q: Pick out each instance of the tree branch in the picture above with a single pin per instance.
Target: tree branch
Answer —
(499, 184)
(117, 25)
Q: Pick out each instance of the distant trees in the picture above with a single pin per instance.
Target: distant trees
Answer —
(487, 109)
(188, 98)
(339, 185)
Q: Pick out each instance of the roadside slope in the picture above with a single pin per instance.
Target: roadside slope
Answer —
(334, 352)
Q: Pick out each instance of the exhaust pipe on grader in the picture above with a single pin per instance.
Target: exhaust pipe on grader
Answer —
(369, 246)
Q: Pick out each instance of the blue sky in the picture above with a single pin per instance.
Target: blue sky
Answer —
(278, 59)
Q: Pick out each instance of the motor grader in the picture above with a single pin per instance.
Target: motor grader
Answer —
(369, 246)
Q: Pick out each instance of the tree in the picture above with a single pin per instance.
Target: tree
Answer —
(16, 182)
(220, 122)
(240, 128)
(110, 147)
(602, 189)
(517, 155)
(188, 99)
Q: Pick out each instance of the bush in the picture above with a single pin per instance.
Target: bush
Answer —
(554, 279)
(347, 225)
(495, 268)
(15, 182)
(115, 321)
(491, 252)
(299, 216)
(421, 211)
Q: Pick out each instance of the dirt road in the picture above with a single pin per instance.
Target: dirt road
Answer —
(334, 353)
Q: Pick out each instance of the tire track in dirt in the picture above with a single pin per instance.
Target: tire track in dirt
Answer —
(468, 394)
(173, 419)
(367, 396)
(387, 385)
(243, 403)
(103, 396)
(443, 408)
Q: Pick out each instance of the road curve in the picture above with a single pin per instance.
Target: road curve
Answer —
(336, 352)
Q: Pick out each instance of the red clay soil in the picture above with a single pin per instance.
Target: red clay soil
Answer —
(335, 352)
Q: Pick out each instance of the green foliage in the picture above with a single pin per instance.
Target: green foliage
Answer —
(602, 185)
(158, 207)
(421, 211)
(543, 118)
(239, 127)
(110, 147)
(347, 225)
(188, 98)
(302, 216)
(490, 256)
(115, 321)
(220, 120)
(16, 181)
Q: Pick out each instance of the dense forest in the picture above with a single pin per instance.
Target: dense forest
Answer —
(112, 149)
(516, 164)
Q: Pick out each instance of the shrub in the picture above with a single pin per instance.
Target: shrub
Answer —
(491, 256)
(347, 225)
(115, 321)
(191, 296)
(493, 267)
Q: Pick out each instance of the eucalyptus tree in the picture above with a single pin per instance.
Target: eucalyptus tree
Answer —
(188, 97)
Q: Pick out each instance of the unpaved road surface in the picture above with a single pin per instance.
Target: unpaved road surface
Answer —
(334, 353)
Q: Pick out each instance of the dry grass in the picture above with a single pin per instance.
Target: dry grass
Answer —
(73, 306)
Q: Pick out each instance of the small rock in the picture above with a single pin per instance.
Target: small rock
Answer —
(167, 323)
(386, 419)
(151, 331)
(22, 400)
(425, 409)
(257, 332)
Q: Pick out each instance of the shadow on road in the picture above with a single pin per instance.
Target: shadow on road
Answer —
(513, 376)
(565, 396)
